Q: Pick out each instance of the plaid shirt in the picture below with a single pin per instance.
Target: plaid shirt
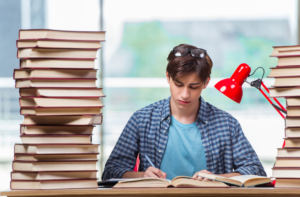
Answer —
(225, 145)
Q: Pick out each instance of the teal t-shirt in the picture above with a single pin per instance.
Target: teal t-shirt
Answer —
(184, 153)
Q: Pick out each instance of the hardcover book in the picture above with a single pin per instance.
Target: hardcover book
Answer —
(286, 172)
(60, 102)
(63, 120)
(287, 183)
(285, 92)
(36, 166)
(57, 53)
(66, 44)
(61, 34)
(54, 184)
(50, 82)
(55, 148)
(46, 175)
(287, 162)
(288, 152)
(285, 72)
(59, 111)
(58, 63)
(56, 139)
(287, 82)
(57, 157)
(62, 92)
(56, 130)
(54, 73)
(291, 50)
(288, 61)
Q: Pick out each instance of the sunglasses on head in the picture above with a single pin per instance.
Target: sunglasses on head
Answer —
(183, 51)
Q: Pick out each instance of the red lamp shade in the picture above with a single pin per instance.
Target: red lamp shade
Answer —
(232, 87)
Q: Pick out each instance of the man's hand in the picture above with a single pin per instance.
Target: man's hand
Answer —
(154, 172)
(228, 175)
(202, 178)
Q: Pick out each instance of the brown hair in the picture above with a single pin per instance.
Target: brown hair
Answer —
(184, 65)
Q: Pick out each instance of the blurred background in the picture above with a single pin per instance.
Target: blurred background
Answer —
(132, 62)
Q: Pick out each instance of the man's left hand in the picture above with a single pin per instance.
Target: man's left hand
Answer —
(202, 178)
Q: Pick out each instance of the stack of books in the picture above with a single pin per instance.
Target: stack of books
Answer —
(287, 85)
(60, 103)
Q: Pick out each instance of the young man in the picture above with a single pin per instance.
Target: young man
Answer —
(183, 134)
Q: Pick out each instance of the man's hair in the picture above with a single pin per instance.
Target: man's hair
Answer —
(185, 65)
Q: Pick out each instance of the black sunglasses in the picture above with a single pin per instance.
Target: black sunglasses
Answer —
(183, 51)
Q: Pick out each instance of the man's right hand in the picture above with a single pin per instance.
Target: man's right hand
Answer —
(154, 172)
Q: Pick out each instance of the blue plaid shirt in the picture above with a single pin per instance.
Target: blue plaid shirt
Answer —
(225, 145)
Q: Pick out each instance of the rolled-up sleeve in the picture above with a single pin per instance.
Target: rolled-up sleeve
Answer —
(123, 156)
(245, 159)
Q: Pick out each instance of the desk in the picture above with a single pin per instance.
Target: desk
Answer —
(211, 192)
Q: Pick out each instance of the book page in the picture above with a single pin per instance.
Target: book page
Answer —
(244, 178)
(145, 179)
(179, 177)
(210, 176)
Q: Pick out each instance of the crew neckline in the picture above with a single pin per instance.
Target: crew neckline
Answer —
(176, 122)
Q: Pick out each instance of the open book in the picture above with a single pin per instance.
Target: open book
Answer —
(179, 181)
(241, 181)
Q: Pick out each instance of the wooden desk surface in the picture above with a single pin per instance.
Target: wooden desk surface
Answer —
(266, 192)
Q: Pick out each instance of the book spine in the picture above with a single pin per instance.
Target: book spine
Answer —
(14, 74)
(20, 102)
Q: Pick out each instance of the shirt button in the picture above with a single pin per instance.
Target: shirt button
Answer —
(162, 119)
(206, 122)
(159, 151)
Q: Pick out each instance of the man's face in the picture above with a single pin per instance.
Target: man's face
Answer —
(185, 91)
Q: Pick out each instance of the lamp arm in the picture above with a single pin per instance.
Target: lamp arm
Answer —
(272, 103)
(275, 99)
(257, 84)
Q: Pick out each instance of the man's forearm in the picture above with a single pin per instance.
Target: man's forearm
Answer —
(133, 175)
(228, 175)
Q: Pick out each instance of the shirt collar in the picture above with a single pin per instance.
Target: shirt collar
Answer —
(202, 113)
(203, 110)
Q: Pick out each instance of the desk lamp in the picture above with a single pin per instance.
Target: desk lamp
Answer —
(232, 87)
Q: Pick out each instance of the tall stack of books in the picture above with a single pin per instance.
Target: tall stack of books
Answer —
(60, 103)
(287, 84)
